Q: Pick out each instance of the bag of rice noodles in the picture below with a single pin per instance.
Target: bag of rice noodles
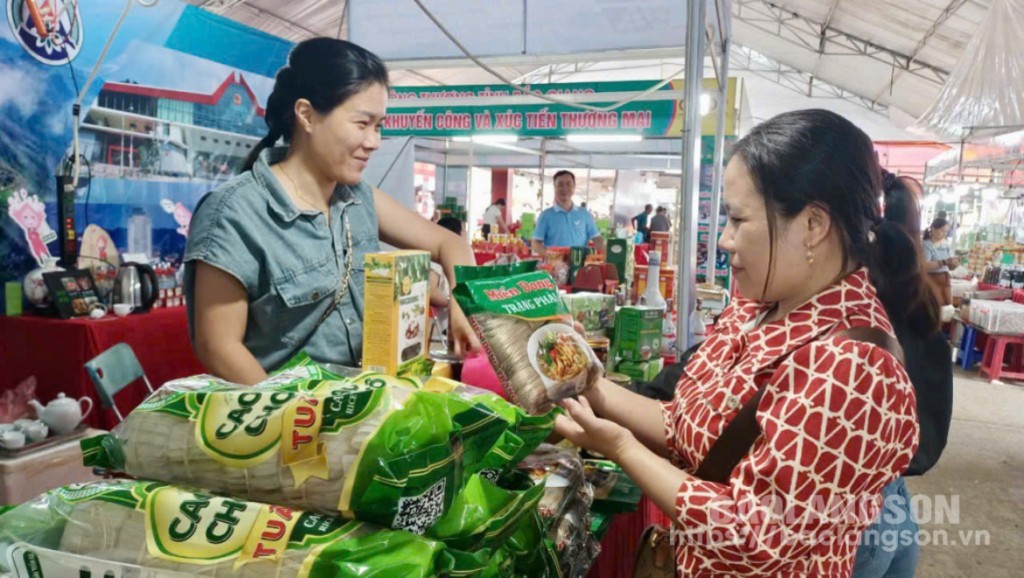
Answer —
(527, 333)
(560, 471)
(158, 530)
(525, 432)
(483, 515)
(368, 447)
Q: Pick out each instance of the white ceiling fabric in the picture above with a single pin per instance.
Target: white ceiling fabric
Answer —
(881, 63)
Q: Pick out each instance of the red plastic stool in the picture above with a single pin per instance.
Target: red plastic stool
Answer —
(996, 352)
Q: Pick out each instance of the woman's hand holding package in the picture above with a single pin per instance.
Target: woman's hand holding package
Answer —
(462, 337)
(586, 430)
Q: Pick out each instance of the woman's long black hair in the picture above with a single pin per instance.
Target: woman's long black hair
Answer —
(816, 157)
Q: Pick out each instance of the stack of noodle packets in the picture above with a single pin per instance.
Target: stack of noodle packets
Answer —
(261, 481)
(375, 448)
(155, 529)
(527, 333)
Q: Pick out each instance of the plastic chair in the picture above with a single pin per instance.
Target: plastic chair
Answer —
(113, 370)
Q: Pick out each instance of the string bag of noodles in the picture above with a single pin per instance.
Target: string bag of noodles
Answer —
(527, 333)
(367, 447)
(159, 530)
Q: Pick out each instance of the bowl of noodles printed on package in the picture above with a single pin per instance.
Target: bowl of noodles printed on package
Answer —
(561, 358)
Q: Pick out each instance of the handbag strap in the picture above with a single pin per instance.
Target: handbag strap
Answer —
(740, 434)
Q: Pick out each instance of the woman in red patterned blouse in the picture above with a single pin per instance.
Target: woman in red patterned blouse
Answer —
(837, 419)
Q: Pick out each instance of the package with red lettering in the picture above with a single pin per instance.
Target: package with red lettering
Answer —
(368, 447)
(528, 335)
(143, 528)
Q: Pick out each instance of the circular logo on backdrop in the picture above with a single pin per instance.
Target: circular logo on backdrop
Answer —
(49, 30)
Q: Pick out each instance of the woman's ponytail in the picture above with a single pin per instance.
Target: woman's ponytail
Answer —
(896, 262)
(266, 142)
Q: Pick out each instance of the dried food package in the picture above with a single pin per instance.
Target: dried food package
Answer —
(614, 491)
(133, 528)
(561, 472)
(527, 334)
(369, 447)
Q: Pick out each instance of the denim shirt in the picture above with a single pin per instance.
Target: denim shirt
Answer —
(290, 262)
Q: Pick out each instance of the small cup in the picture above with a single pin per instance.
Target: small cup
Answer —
(123, 309)
(12, 439)
(7, 427)
(36, 432)
(23, 423)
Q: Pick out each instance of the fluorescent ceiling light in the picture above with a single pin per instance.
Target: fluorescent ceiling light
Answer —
(460, 139)
(604, 138)
(495, 138)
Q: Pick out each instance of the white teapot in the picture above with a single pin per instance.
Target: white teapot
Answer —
(63, 414)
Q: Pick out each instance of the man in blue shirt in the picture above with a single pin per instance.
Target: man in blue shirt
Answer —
(564, 224)
(640, 222)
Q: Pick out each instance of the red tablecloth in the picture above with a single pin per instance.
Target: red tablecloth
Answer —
(55, 351)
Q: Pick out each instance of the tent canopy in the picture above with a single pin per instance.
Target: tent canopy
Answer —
(878, 62)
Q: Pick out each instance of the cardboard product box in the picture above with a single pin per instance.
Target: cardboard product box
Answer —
(640, 370)
(637, 334)
(594, 311)
(395, 328)
(662, 241)
(666, 282)
(577, 258)
(620, 254)
(639, 282)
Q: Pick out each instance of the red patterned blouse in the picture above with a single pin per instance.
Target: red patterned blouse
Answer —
(838, 423)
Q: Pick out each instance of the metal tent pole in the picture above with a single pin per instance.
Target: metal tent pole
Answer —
(689, 193)
(716, 183)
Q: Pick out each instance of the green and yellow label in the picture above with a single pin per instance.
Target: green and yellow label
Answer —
(242, 428)
(197, 528)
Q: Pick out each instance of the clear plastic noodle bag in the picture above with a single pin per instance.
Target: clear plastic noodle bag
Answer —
(527, 333)
(372, 448)
(155, 529)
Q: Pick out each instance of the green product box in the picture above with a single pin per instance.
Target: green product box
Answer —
(594, 311)
(620, 254)
(640, 370)
(577, 258)
(637, 333)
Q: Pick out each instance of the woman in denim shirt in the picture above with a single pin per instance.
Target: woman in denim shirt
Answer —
(274, 262)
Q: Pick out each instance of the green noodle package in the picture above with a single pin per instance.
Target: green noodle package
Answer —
(133, 528)
(527, 333)
(369, 448)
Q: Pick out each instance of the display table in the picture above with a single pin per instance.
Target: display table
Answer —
(25, 477)
(55, 351)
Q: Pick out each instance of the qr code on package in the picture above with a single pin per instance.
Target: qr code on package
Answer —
(417, 513)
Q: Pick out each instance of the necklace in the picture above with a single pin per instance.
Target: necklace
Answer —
(298, 191)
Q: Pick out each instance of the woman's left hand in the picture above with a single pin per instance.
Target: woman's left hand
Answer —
(583, 428)
(460, 332)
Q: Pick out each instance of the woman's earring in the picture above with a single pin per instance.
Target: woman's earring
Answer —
(810, 256)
